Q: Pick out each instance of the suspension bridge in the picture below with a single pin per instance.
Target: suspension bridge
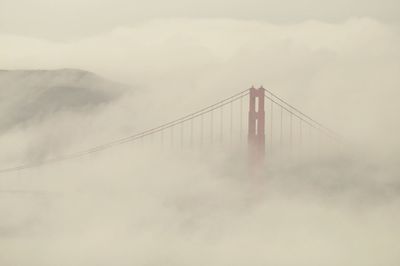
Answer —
(254, 118)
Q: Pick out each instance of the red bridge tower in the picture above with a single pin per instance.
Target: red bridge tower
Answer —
(256, 137)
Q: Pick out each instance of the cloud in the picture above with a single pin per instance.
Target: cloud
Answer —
(148, 206)
(344, 75)
(114, 208)
(66, 20)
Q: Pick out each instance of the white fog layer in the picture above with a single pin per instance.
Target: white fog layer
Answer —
(147, 205)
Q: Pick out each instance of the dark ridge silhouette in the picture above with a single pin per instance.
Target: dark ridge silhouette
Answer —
(27, 95)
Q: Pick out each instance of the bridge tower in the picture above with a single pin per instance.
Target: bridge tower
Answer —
(256, 134)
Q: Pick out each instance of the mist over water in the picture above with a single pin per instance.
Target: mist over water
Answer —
(139, 204)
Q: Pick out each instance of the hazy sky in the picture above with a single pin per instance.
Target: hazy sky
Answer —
(337, 61)
(71, 19)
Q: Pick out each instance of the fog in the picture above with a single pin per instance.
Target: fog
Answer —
(144, 205)
(74, 19)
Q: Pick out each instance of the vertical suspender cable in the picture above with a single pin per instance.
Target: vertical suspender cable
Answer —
(271, 125)
(201, 129)
(231, 125)
(301, 133)
(281, 133)
(211, 126)
(221, 124)
(241, 120)
(191, 131)
(172, 136)
(291, 130)
(182, 124)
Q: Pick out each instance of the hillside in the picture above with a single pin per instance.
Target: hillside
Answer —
(27, 95)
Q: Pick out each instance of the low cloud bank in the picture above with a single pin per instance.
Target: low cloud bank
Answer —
(144, 206)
